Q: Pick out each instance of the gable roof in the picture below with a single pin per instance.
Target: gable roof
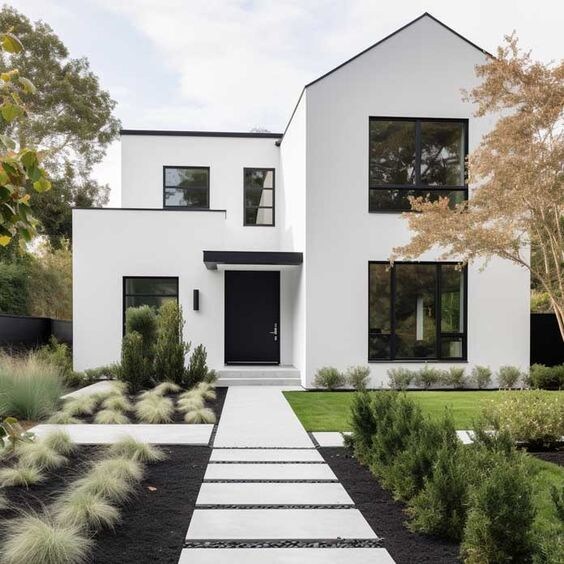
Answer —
(424, 15)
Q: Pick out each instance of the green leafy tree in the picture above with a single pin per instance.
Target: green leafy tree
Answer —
(70, 115)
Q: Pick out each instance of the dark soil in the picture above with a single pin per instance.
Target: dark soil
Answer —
(555, 456)
(385, 515)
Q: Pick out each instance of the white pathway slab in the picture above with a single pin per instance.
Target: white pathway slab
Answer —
(265, 455)
(96, 388)
(238, 524)
(269, 471)
(87, 434)
(273, 494)
(465, 437)
(285, 556)
(259, 416)
(330, 438)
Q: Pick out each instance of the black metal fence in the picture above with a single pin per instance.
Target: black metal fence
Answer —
(546, 343)
(26, 332)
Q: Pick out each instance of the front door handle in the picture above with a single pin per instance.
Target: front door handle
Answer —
(275, 332)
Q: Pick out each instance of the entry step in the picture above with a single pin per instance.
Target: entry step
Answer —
(258, 376)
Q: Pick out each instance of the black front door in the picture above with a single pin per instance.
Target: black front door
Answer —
(252, 317)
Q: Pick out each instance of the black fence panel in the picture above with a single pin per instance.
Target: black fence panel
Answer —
(546, 343)
(27, 332)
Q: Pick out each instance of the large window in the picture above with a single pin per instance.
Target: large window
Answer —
(186, 187)
(416, 157)
(417, 311)
(259, 196)
(151, 291)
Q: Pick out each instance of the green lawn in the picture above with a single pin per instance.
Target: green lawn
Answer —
(329, 411)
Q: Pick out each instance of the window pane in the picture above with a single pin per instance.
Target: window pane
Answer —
(397, 199)
(153, 301)
(452, 299)
(451, 347)
(259, 178)
(415, 310)
(159, 286)
(259, 197)
(392, 152)
(186, 177)
(442, 153)
(258, 216)
(182, 197)
(379, 347)
(380, 303)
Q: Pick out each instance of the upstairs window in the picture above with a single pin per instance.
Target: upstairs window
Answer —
(416, 157)
(259, 196)
(186, 187)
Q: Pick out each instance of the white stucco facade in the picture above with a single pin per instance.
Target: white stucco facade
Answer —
(321, 210)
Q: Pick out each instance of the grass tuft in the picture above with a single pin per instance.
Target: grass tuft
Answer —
(80, 405)
(63, 418)
(155, 409)
(190, 394)
(206, 390)
(202, 415)
(121, 467)
(166, 388)
(3, 501)
(117, 402)
(189, 404)
(128, 447)
(38, 540)
(110, 417)
(59, 441)
(40, 455)
(20, 475)
(83, 509)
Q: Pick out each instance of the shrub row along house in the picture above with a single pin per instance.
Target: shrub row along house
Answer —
(277, 245)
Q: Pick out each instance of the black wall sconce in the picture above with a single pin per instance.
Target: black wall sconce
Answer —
(196, 300)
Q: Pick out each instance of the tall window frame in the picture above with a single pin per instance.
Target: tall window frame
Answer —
(417, 188)
(440, 335)
(246, 206)
(205, 186)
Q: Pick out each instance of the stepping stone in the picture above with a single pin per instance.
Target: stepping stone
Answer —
(465, 437)
(91, 434)
(269, 472)
(330, 438)
(273, 494)
(265, 455)
(285, 556)
(254, 524)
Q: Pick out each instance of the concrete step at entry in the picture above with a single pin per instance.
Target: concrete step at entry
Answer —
(225, 382)
(258, 376)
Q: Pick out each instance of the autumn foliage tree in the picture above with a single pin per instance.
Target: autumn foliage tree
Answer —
(517, 173)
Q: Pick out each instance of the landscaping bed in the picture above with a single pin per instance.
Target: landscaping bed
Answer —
(385, 515)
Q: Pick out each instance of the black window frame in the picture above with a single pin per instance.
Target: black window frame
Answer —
(273, 207)
(185, 167)
(418, 186)
(439, 334)
(125, 295)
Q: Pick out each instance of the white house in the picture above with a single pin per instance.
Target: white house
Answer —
(276, 245)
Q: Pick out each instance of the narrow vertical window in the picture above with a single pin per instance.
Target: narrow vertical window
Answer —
(258, 196)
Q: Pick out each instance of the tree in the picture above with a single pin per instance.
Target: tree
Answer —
(20, 170)
(517, 176)
(70, 115)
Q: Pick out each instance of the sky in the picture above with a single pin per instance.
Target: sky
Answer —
(234, 65)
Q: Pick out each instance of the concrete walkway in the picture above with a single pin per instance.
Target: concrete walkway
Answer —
(268, 496)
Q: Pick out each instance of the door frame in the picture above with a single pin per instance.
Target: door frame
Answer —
(225, 336)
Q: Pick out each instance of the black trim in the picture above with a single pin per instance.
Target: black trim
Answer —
(185, 167)
(213, 258)
(153, 209)
(439, 335)
(273, 207)
(177, 133)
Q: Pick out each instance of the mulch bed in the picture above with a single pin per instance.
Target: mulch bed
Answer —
(153, 524)
(555, 456)
(385, 515)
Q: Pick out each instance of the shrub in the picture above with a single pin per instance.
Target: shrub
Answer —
(59, 441)
(80, 405)
(547, 377)
(400, 378)
(81, 509)
(142, 320)
(455, 376)
(364, 424)
(63, 418)
(202, 415)
(440, 508)
(20, 475)
(135, 368)
(38, 540)
(211, 377)
(29, 388)
(117, 402)
(508, 376)
(166, 388)
(198, 368)
(427, 376)
(40, 455)
(170, 348)
(329, 378)
(111, 417)
(155, 409)
(534, 417)
(109, 371)
(357, 377)
(501, 515)
(481, 376)
(14, 288)
(60, 355)
(128, 447)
